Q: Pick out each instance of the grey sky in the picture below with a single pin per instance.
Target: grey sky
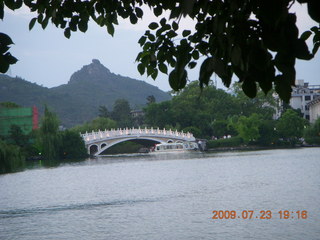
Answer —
(48, 58)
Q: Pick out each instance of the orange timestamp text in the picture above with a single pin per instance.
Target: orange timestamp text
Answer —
(260, 214)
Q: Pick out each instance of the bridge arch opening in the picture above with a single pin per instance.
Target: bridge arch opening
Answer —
(130, 146)
(103, 145)
(170, 141)
(93, 149)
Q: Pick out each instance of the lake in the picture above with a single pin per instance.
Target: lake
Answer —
(270, 194)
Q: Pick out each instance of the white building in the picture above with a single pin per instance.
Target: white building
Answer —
(314, 109)
(302, 94)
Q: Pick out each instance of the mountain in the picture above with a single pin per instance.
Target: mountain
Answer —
(78, 100)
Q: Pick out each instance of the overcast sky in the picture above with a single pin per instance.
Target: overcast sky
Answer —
(49, 59)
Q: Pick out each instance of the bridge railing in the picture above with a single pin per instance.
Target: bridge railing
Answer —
(115, 133)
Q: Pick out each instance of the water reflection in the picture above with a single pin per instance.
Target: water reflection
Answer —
(144, 197)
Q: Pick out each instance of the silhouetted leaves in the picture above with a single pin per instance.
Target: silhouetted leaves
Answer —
(237, 36)
(6, 59)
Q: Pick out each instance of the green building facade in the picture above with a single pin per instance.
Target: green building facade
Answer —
(24, 117)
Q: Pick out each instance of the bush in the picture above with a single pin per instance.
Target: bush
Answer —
(312, 133)
(72, 145)
(11, 159)
(228, 142)
(313, 140)
(194, 130)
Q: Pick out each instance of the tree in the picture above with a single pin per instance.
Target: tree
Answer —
(221, 128)
(95, 125)
(267, 132)
(121, 113)
(17, 136)
(103, 112)
(312, 133)
(48, 136)
(72, 145)
(263, 104)
(248, 127)
(11, 158)
(236, 37)
(290, 126)
(151, 99)
(9, 105)
(159, 114)
(192, 107)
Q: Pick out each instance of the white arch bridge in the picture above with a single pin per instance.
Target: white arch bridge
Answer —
(98, 142)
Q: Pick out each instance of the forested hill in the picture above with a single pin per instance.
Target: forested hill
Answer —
(78, 100)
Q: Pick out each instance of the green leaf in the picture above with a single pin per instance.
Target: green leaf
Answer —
(141, 68)
(150, 70)
(10, 59)
(191, 65)
(72, 26)
(32, 22)
(315, 48)
(186, 33)
(163, 68)
(301, 50)
(67, 33)
(13, 5)
(1, 10)
(133, 18)
(154, 74)
(249, 87)
(5, 39)
(163, 22)
(153, 25)
(139, 12)
(110, 28)
(206, 70)
(177, 81)
(304, 36)
(44, 23)
(314, 10)
(83, 26)
(175, 26)
(151, 37)
(5, 61)
(175, 12)
(283, 88)
(171, 34)
(40, 18)
(157, 11)
(4, 66)
(195, 55)
(3, 48)
(142, 40)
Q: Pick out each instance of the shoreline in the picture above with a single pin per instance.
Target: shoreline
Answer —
(256, 148)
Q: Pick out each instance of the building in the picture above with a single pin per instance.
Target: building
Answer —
(137, 113)
(302, 94)
(314, 109)
(137, 117)
(24, 117)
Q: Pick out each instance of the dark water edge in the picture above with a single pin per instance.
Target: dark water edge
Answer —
(258, 148)
(30, 164)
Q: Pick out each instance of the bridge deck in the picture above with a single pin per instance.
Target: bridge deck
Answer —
(112, 134)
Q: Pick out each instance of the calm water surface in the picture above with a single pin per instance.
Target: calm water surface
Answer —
(165, 197)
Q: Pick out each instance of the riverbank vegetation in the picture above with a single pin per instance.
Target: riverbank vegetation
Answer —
(224, 119)
(232, 119)
(46, 143)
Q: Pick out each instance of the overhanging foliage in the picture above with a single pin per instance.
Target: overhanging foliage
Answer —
(256, 40)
